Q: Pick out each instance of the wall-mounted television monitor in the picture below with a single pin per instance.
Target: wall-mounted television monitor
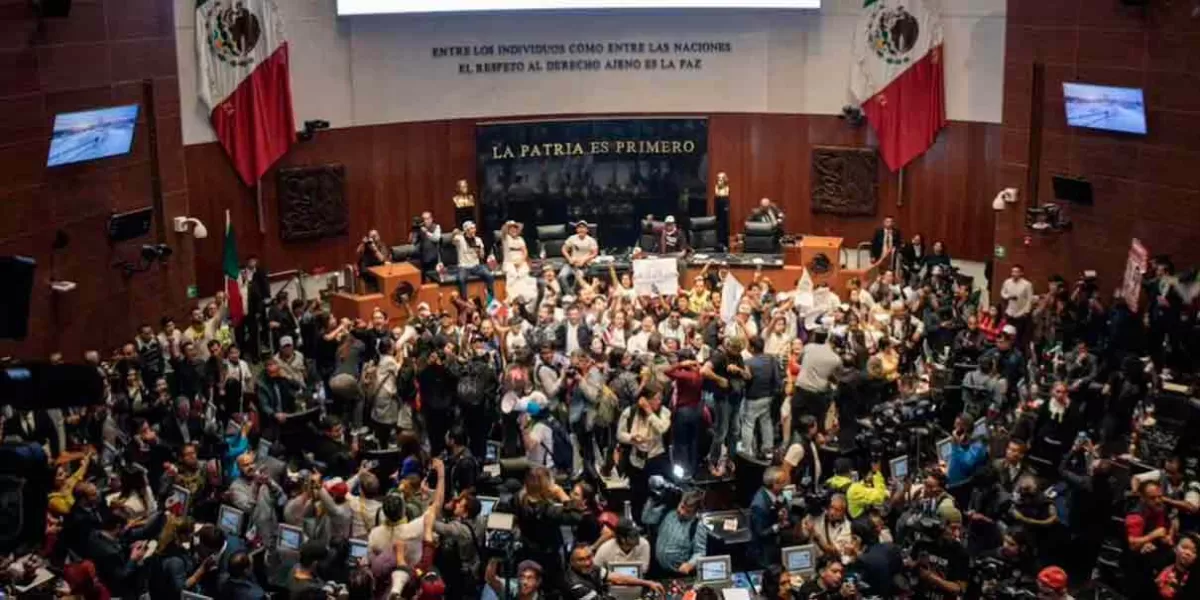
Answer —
(379, 7)
(1105, 107)
(92, 134)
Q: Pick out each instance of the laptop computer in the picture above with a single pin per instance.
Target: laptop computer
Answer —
(714, 571)
(943, 449)
(290, 538)
(358, 550)
(898, 467)
(626, 592)
(981, 428)
(487, 504)
(230, 519)
(800, 561)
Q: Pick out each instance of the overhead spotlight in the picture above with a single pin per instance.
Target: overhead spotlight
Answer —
(852, 115)
(311, 128)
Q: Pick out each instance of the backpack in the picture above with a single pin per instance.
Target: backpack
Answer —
(607, 407)
(562, 453)
(469, 390)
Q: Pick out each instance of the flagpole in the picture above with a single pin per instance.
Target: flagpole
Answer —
(899, 194)
(262, 219)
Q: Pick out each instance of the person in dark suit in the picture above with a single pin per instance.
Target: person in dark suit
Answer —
(253, 279)
(767, 212)
(35, 426)
(768, 516)
(574, 334)
(886, 237)
(1058, 422)
(183, 427)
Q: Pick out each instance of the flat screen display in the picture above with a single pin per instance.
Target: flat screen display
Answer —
(799, 559)
(378, 7)
(1103, 107)
(713, 570)
(92, 134)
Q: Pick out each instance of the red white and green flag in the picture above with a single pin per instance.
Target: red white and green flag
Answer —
(898, 76)
(232, 268)
(242, 58)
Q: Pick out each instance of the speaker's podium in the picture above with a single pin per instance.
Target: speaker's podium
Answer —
(360, 306)
(809, 248)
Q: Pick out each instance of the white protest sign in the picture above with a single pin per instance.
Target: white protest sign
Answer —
(655, 276)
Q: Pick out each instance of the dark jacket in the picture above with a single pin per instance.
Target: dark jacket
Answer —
(584, 335)
(764, 535)
(241, 589)
(877, 242)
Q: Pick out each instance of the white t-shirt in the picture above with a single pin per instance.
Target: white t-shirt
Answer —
(610, 552)
(579, 247)
(514, 250)
(540, 453)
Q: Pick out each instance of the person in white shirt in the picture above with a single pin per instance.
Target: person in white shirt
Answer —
(519, 283)
(579, 250)
(470, 260)
(673, 327)
(1017, 293)
(623, 545)
(641, 428)
(637, 343)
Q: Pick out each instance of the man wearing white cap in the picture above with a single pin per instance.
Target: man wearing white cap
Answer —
(291, 361)
(470, 259)
(579, 250)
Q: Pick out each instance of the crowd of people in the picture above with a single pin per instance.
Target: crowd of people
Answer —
(356, 453)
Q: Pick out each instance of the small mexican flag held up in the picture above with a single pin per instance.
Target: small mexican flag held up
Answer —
(242, 62)
(898, 76)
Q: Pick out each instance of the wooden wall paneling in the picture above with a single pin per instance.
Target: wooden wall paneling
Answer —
(70, 67)
(395, 171)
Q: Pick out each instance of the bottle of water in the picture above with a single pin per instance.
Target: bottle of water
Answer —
(628, 514)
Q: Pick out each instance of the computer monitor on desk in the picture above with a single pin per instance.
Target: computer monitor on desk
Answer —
(714, 571)
(800, 561)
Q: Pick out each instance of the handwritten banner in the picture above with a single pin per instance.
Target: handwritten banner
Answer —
(656, 276)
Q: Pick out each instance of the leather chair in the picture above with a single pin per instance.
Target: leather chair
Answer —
(551, 239)
(404, 253)
(703, 234)
(648, 241)
(761, 238)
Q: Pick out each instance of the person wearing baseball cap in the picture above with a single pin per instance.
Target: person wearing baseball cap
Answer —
(1052, 584)
(946, 573)
(579, 250)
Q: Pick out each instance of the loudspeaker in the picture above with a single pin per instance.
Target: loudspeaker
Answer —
(1072, 189)
(55, 9)
(17, 274)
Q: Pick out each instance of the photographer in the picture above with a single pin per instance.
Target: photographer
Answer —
(371, 253)
(829, 583)
(874, 562)
(1090, 498)
(942, 565)
(769, 515)
(983, 389)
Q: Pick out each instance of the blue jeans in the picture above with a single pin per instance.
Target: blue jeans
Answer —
(724, 409)
(488, 279)
(567, 276)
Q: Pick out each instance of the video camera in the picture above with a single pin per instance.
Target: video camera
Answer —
(996, 579)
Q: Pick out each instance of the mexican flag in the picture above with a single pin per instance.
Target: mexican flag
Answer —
(898, 76)
(231, 268)
(242, 60)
